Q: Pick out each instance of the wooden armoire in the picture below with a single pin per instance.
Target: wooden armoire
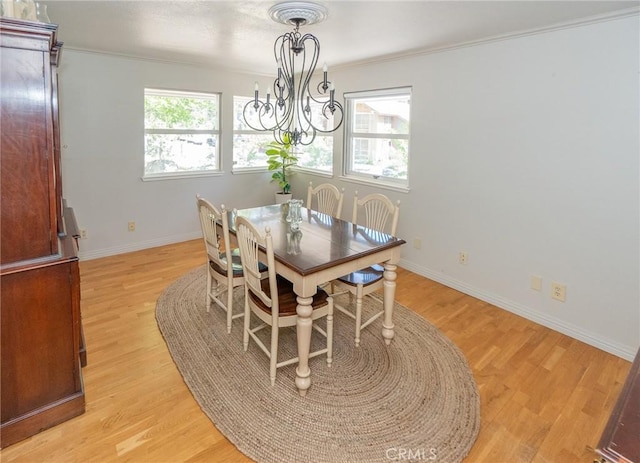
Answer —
(41, 335)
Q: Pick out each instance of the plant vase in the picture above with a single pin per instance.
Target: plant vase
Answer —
(282, 198)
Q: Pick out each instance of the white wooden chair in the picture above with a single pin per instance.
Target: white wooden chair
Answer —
(380, 215)
(224, 269)
(328, 199)
(273, 300)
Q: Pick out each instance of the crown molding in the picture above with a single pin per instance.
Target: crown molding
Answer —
(612, 16)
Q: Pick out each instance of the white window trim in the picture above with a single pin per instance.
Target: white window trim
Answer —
(186, 174)
(368, 179)
(378, 183)
(309, 170)
(182, 175)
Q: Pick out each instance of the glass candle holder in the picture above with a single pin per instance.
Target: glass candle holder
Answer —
(294, 217)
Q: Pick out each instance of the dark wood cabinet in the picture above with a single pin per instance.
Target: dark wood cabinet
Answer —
(41, 341)
(620, 440)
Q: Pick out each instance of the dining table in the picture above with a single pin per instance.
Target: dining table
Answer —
(319, 249)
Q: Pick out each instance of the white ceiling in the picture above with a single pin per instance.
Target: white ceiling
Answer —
(240, 34)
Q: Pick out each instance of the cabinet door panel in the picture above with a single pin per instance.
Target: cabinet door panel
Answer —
(40, 361)
(28, 225)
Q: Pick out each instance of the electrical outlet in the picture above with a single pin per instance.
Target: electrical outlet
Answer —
(558, 291)
(463, 258)
(417, 243)
(536, 282)
(83, 234)
(132, 226)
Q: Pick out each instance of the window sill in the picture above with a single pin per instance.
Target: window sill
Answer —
(376, 183)
(181, 175)
(249, 170)
(307, 170)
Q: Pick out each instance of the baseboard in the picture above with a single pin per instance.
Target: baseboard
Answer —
(588, 337)
(42, 418)
(591, 338)
(138, 246)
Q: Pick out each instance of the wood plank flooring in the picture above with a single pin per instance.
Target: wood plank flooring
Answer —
(545, 397)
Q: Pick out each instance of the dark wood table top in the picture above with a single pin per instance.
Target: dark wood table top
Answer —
(321, 242)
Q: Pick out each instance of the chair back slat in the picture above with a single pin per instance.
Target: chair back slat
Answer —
(210, 217)
(379, 212)
(328, 199)
(250, 241)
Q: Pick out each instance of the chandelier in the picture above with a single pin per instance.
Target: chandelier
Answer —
(297, 110)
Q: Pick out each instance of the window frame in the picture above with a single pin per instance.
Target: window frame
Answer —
(351, 133)
(216, 132)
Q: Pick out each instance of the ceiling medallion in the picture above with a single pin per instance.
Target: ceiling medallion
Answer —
(302, 13)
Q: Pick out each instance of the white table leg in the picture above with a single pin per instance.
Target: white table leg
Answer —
(303, 327)
(390, 276)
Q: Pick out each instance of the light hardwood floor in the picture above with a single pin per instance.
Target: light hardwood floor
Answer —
(545, 397)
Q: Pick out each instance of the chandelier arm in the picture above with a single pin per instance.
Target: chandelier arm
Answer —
(283, 61)
(320, 88)
(339, 116)
(286, 55)
(283, 109)
(305, 140)
(277, 136)
(267, 121)
(260, 112)
(301, 114)
(308, 75)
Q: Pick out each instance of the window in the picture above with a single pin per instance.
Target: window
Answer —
(318, 155)
(377, 135)
(249, 145)
(182, 133)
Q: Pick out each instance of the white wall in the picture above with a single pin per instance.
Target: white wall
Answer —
(524, 153)
(102, 136)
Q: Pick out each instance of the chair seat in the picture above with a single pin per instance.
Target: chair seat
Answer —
(236, 264)
(287, 297)
(364, 277)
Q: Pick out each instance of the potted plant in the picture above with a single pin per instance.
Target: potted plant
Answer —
(280, 159)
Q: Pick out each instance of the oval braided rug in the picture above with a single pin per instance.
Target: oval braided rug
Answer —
(413, 400)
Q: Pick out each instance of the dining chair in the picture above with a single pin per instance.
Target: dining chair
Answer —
(224, 269)
(380, 216)
(328, 199)
(273, 300)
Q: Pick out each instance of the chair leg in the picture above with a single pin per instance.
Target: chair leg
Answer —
(274, 353)
(247, 321)
(208, 296)
(330, 332)
(229, 304)
(359, 291)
